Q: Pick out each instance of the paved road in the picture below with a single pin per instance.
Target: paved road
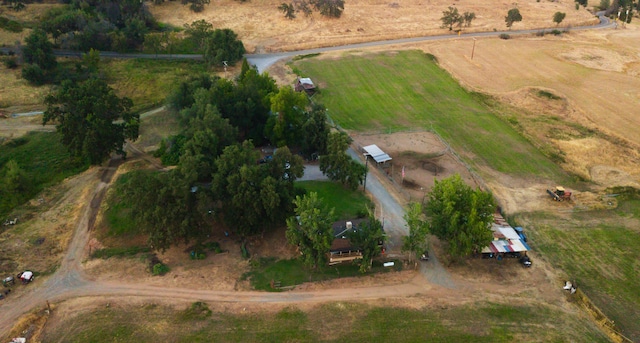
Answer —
(263, 61)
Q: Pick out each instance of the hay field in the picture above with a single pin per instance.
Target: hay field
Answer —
(596, 74)
(263, 28)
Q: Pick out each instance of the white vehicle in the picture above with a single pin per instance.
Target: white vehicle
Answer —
(26, 276)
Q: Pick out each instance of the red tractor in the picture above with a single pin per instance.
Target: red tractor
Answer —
(560, 194)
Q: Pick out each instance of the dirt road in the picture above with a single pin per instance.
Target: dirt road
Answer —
(69, 281)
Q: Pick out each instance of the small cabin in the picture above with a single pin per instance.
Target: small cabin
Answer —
(305, 84)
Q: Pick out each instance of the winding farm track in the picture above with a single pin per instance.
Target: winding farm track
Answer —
(70, 281)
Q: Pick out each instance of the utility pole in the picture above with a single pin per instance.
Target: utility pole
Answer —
(366, 171)
(474, 47)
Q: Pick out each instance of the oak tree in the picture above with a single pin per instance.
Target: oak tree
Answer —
(512, 16)
(92, 119)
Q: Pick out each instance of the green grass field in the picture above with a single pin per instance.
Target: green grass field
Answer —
(44, 160)
(147, 81)
(294, 272)
(346, 203)
(599, 250)
(333, 322)
(408, 90)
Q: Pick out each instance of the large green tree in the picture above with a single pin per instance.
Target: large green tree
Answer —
(165, 207)
(198, 32)
(415, 242)
(92, 119)
(39, 57)
(558, 17)
(451, 17)
(512, 16)
(460, 216)
(337, 165)
(223, 45)
(288, 109)
(315, 132)
(311, 229)
(369, 237)
(254, 197)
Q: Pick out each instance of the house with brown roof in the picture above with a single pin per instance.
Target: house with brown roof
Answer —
(341, 248)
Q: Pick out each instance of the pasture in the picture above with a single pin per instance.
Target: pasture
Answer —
(408, 90)
(330, 322)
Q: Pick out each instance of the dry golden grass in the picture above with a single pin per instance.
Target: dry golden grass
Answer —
(263, 28)
(16, 95)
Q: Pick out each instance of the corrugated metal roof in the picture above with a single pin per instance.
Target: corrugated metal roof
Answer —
(376, 153)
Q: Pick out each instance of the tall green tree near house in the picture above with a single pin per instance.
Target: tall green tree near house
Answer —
(512, 16)
(415, 242)
(369, 237)
(311, 229)
(315, 132)
(460, 216)
(288, 109)
(337, 165)
(254, 198)
(93, 120)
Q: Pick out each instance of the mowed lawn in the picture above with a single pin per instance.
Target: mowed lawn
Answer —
(347, 204)
(601, 253)
(333, 322)
(408, 90)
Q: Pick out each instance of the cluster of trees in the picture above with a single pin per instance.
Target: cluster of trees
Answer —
(312, 232)
(218, 175)
(327, 8)
(217, 46)
(102, 25)
(451, 17)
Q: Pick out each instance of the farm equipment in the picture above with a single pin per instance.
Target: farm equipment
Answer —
(560, 194)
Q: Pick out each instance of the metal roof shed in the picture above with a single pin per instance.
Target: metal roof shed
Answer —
(376, 153)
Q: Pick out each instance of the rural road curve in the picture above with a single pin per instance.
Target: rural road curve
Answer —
(70, 281)
(263, 61)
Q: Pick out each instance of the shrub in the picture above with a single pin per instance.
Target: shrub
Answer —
(245, 252)
(504, 36)
(548, 95)
(540, 33)
(10, 25)
(34, 74)
(556, 32)
(160, 269)
(11, 63)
